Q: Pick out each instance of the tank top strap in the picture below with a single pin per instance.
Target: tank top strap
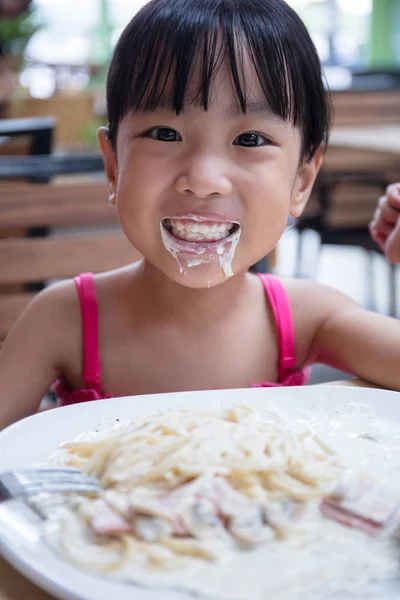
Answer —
(279, 301)
(90, 327)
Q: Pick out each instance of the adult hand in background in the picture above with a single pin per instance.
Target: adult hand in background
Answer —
(385, 225)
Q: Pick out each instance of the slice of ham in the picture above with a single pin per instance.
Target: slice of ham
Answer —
(208, 508)
(350, 519)
(365, 506)
(104, 520)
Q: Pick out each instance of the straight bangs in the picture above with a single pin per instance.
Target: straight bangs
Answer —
(172, 51)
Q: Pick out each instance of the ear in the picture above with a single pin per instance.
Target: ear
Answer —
(110, 163)
(305, 179)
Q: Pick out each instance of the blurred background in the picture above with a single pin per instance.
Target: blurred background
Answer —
(54, 56)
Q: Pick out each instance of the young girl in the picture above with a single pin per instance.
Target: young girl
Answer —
(217, 127)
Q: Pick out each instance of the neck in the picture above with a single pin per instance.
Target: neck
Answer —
(164, 297)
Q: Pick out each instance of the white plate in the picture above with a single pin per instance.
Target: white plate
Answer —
(33, 439)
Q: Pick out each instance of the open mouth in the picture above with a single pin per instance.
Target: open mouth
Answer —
(193, 240)
(199, 231)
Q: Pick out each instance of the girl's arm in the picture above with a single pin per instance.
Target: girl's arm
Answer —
(348, 337)
(32, 356)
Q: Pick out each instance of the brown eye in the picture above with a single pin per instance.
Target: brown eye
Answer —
(250, 139)
(164, 134)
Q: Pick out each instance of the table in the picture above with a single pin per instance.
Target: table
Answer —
(71, 111)
(45, 167)
(14, 586)
(377, 138)
(40, 130)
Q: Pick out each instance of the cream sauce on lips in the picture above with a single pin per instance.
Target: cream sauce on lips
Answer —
(201, 252)
(322, 556)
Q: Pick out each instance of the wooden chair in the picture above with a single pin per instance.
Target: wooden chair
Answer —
(350, 182)
(23, 137)
(35, 133)
(340, 210)
(78, 205)
(366, 107)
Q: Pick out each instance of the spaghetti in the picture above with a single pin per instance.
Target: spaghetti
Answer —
(194, 484)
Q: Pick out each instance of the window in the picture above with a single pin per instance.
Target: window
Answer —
(339, 28)
(79, 35)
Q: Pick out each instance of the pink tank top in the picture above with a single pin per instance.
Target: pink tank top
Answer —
(288, 375)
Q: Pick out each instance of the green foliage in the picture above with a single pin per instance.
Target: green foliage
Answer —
(16, 32)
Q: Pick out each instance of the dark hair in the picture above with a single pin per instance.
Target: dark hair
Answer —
(167, 39)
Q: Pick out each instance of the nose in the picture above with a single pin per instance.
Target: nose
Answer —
(203, 178)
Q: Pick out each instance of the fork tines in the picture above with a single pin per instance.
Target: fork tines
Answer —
(22, 483)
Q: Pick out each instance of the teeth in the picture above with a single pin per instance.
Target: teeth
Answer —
(195, 232)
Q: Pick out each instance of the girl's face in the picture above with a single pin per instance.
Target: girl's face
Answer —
(191, 190)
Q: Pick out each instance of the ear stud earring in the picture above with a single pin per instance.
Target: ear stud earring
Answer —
(111, 194)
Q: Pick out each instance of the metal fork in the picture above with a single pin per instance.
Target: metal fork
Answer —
(24, 483)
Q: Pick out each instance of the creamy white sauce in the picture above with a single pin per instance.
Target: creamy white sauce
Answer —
(324, 557)
(224, 252)
(170, 248)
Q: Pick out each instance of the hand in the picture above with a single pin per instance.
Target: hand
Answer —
(385, 225)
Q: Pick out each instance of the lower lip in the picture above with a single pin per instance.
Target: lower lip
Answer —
(195, 247)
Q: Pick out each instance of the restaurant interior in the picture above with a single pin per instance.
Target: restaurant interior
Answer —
(56, 220)
(53, 66)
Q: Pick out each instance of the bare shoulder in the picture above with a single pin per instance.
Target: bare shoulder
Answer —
(58, 305)
(306, 295)
(116, 281)
(116, 292)
(312, 304)
(52, 321)
(44, 344)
